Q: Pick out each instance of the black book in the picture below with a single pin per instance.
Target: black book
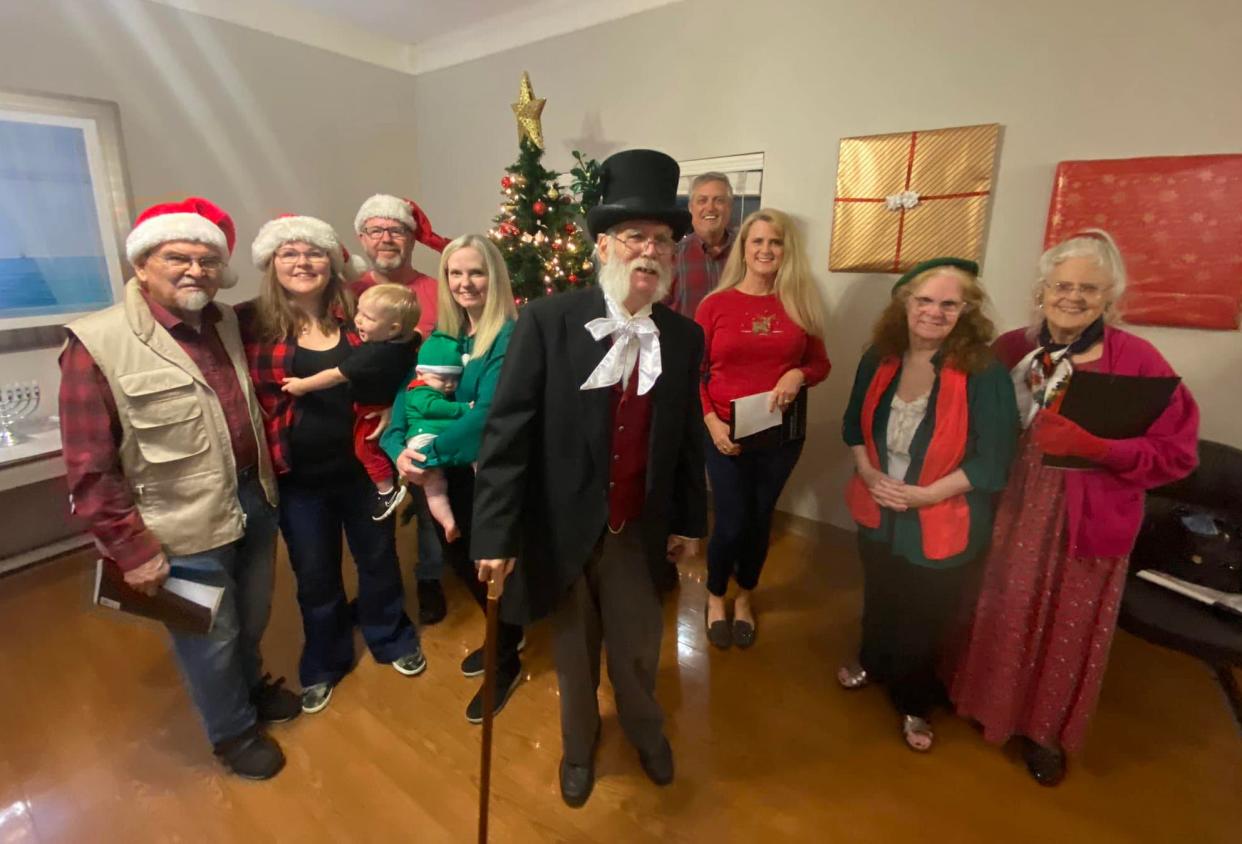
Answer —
(1115, 407)
(184, 605)
(792, 426)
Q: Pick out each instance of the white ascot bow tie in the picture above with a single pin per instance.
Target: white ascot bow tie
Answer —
(632, 336)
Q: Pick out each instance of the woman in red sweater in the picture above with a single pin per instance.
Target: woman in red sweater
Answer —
(764, 328)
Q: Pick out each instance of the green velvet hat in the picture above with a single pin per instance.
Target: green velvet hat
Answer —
(961, 263)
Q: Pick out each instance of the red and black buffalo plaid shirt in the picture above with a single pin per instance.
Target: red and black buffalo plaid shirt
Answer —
(90, 432)
(270, 364)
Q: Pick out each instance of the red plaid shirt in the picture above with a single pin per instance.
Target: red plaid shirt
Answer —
(90, 431)
(270, 364)
(696, 272)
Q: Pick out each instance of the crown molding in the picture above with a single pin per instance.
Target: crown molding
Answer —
(484, 38)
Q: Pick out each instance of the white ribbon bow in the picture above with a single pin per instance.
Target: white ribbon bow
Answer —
(906, 199)
(627, 334)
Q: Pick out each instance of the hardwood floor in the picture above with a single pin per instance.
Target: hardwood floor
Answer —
(98, 741)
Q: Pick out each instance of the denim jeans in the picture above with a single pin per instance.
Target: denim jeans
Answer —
(744, 493)
(311, 520)
(221, 668)
(430, 564)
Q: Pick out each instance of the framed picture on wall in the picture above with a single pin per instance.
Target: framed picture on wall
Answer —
(64, 208)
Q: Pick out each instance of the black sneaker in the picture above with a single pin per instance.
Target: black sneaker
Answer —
(472, 665)
(251, 755)
(506, 683)
(432, 608)
(386, 502)
(273, 702)
(412, 664)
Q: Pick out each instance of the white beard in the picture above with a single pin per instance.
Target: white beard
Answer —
(193, 301)
(614, 277)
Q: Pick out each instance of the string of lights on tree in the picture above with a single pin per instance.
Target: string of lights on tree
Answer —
(538, 227)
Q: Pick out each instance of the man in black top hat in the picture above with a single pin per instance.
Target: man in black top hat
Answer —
(591, 467)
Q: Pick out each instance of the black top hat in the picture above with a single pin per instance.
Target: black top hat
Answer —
(638, 184)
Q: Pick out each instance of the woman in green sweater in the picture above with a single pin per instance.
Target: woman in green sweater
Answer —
(476, 306)
(932, 423)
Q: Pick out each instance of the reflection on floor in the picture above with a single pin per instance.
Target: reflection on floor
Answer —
(98, 741)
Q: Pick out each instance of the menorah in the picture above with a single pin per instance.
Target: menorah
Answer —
(17, 401)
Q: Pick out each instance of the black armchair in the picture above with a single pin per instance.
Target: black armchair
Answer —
(1174, 621)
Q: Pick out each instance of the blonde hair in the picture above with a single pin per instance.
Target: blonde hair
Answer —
(396, 303)
(1096, 244)
(968, 346)
(795, 286)
(279, 318)
(498, 308)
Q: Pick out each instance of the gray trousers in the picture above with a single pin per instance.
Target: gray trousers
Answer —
(613, 603)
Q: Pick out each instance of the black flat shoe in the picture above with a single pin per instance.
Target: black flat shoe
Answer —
(576, 783)
(718, 632)
(743, 633)
(1046, 764)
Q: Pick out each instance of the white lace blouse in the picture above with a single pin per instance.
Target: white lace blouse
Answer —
(903, 421)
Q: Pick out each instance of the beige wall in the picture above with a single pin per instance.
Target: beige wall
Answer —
(261, 125)
(1068, 80)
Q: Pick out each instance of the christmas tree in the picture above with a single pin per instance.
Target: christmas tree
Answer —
(539, 229)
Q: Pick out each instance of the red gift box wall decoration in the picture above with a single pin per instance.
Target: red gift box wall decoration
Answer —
(1178, 223)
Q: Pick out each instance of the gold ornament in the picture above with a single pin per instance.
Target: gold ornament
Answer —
(553, 193)
(586, 265)
(527, 110)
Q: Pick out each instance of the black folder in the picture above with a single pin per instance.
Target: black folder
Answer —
(792, 427)
(1115, 407)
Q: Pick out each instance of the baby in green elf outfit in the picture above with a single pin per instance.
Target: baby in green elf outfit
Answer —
(429, 411)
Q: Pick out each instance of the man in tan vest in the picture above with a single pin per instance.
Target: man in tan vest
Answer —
(167, 462)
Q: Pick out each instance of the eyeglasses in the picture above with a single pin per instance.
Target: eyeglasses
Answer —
(180, 263)
(949, 307)
(636, 242)
(292, 256)
(1069, 288)
(378, 232)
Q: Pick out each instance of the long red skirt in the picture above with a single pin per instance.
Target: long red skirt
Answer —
(1033, 660)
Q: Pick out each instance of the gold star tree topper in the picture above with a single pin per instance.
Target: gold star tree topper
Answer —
(527, 111)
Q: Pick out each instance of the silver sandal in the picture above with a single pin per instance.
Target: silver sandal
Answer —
(853, 677)
(912, 725)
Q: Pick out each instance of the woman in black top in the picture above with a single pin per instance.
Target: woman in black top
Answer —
(298, 327)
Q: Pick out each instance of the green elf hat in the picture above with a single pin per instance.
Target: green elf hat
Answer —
(439, 355)
(961, 263)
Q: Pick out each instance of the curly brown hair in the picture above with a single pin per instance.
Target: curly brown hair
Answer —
(968, 346)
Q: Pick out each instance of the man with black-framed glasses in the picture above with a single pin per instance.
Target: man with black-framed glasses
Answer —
(388, 227)
(167, 462)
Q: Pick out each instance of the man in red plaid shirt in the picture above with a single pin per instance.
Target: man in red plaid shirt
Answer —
(701, 254)
(167, 462)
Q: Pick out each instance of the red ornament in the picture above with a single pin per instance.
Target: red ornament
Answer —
(570, 228)
(506, 183)
(572, 279)
(539, 208)
(557, 246)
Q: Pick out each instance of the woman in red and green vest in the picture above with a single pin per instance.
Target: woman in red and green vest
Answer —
(932, 423)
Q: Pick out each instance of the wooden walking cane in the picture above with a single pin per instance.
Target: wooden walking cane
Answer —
(489, 699)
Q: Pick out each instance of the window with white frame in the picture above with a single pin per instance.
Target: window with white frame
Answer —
(745, 174)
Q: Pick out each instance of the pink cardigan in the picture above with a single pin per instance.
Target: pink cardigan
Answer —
(1104, 508)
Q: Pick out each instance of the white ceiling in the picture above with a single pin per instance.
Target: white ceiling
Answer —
(416, 36)
(415, 21)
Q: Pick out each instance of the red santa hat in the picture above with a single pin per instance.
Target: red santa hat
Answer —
(405, 211)
(289, 228)
(193, 219)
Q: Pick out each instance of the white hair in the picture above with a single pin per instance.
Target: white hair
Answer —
(1097, 245)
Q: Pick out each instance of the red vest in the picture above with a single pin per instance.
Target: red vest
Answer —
(627, 457)
(945, 525)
